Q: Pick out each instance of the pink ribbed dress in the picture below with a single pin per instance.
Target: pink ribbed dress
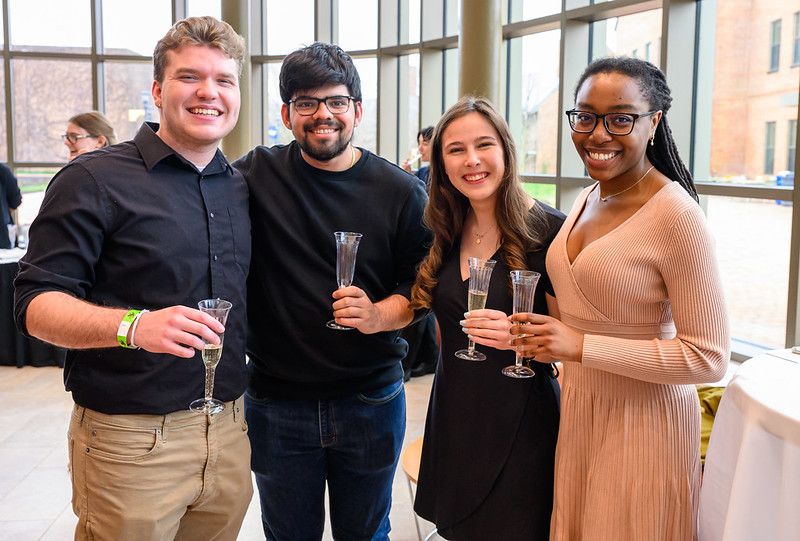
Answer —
(648, 298)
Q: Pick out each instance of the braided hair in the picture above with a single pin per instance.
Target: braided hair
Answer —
(663, 153)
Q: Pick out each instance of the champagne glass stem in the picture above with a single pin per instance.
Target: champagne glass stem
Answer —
(471, 347)
(210, 382)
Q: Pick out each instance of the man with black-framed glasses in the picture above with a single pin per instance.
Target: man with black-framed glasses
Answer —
(327, 406)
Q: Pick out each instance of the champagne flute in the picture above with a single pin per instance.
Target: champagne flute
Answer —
(414, 156)
(219, 310)
(524, 286)
(480, 271)
(346, 250)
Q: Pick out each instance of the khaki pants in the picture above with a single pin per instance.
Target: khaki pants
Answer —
(178, 476)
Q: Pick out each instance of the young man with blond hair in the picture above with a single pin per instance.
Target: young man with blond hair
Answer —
(128, 240)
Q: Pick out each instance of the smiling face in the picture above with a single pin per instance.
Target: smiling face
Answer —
(85, 144)
(473, 158)
(323, 136)
(199, 101)
(614, 157)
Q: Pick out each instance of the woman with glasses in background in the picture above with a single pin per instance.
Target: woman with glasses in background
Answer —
(641, 319)
(88, 131)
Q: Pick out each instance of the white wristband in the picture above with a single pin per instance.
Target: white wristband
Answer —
(135, 324)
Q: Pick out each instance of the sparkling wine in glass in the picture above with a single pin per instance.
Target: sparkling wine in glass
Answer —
(524, 286)
(480, 271)
(211, 354)
(346, 250)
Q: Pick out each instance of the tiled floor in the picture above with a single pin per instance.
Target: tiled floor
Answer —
(34, 487)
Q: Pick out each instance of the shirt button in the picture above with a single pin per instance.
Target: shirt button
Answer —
(215, 258)
(211, 214)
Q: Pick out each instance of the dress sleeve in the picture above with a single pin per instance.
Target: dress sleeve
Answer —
(700, 351)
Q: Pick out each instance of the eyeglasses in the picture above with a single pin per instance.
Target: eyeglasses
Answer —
(615, 123)
(307, 106)
(73, 137)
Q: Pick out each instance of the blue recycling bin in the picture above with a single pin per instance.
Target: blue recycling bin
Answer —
(785, 178)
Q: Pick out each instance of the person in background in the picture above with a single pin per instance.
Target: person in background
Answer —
(424, 150)
(642, 318)
(10, 199)
(157, 223)
(324, 406)
(423, 344)
(486, 469)
(88, 131)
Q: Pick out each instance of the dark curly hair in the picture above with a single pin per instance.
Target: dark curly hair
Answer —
(316, 65)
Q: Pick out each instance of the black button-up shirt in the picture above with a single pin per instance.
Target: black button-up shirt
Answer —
(138, 226)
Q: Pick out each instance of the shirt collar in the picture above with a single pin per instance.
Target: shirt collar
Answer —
(153, 150)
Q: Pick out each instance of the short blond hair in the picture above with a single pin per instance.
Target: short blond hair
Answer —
(204, 31)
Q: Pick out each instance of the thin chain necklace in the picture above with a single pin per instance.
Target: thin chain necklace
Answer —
(353, 159)
(606, 198)
(479, 236)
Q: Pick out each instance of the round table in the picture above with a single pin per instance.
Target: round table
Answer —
(751, 483)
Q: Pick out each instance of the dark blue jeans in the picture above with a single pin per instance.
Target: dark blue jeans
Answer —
(354, 443)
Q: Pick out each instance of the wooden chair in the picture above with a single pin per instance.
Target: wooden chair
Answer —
(409, 459)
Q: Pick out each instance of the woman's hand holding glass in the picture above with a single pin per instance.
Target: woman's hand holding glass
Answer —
(488, 328)
(545, 338)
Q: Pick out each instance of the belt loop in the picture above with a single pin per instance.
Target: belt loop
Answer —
(238, 408)
(164, 426)
(83, 413)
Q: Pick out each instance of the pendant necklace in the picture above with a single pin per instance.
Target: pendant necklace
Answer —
(606, 198)
(479, 236)
(353, 159)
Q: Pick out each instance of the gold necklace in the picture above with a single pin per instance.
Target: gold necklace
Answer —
(353, 159)
(479, 236)
(606, 198)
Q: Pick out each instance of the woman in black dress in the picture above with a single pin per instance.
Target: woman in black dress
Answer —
(487, 459)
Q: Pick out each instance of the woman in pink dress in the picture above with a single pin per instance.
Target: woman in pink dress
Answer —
(641, 319)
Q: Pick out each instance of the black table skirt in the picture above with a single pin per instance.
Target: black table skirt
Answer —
(15, 348)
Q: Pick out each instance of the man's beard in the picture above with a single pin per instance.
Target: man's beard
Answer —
(325, 152)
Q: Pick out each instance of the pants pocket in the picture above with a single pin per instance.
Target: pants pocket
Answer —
(383, 394)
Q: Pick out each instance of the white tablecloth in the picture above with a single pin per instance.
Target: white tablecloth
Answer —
(10, 256)
(751, 484)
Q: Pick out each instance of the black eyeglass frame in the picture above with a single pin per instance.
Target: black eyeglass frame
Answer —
(634, 116)
(74, 137)
(321, 100)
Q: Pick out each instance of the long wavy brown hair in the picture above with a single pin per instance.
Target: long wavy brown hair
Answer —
(521, 229)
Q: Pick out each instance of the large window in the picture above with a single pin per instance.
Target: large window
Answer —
(796, 40)
(735, 127)
(775, 45)
(769, 149)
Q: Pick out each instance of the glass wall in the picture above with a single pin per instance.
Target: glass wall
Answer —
(733, 68)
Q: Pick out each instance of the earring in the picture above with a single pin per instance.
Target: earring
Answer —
(158, 104)
(653, 140)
